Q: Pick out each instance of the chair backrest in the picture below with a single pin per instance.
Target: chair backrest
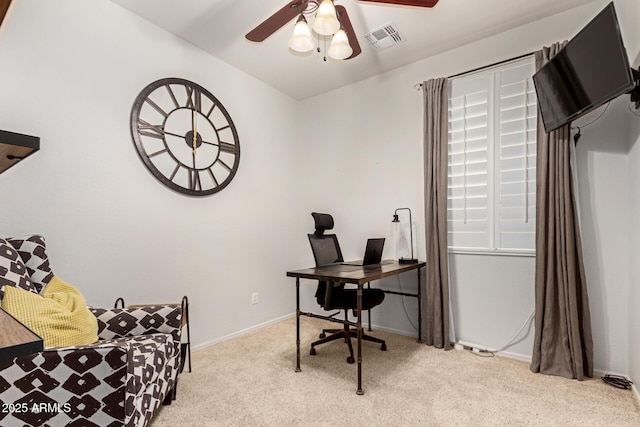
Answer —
(326, 250)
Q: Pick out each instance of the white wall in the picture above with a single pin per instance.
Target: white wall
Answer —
(634, 252)
(602, 167)
(113, 230)
(69, 72)
(367, 163)
(629, 12)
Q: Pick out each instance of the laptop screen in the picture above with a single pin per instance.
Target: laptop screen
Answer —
(373, 251)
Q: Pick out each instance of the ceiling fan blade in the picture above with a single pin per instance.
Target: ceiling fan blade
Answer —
(417, 3)
(348, 28)
(277, 20)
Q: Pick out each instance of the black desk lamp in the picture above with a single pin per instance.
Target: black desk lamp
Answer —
(403, 260)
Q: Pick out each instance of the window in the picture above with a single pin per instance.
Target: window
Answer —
(492, 159)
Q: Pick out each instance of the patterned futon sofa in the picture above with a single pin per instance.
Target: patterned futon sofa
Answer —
(121, 380)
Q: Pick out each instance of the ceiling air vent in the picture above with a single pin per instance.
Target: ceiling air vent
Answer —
(385, 36)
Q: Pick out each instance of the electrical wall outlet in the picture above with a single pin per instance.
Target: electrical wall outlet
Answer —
(254, 298)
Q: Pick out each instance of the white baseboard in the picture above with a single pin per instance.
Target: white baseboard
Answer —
(597, 373)
(516, 356)
(365, 327)
(241, 332)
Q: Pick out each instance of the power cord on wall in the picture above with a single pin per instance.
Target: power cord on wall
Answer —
(517, 334)
(404, 306)
(577, 136)
(490, 352)
(482, 353)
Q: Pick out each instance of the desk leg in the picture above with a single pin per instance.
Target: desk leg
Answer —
(298, 324)
(369, 310)
(419, 307)
(359, 328)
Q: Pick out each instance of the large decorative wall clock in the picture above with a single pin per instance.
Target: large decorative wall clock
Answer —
(185, 137)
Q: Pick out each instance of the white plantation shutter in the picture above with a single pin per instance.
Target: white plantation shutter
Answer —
(492, 158)
(516, 159)
(468, 202)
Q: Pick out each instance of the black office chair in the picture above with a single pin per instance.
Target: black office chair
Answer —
(326, 250)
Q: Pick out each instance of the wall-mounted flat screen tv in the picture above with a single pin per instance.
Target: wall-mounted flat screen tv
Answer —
(592, 69)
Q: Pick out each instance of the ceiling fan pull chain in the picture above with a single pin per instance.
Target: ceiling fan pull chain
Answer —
(325, 50)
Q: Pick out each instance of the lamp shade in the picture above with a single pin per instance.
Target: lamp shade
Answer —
(340, 48)
(326, 22)
(399, 238)
(301, 40)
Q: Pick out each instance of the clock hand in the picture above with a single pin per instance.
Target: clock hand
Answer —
(194, 119)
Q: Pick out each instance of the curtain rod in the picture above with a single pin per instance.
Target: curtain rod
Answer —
(418, 86)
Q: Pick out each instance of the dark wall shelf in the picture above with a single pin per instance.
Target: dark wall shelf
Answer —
(16, 339)
(15, 147)
(4, 5)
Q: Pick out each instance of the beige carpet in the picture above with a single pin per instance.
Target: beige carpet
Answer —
(250, 381)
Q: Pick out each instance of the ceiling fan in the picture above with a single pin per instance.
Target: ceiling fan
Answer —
(346, 47)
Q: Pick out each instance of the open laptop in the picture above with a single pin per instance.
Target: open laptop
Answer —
(372, 253)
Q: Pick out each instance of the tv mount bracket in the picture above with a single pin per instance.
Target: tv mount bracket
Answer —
(635, 92)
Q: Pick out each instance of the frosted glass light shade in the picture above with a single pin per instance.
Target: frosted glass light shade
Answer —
(301, 40)
(340, 48)
(326, 22)
(399, 240)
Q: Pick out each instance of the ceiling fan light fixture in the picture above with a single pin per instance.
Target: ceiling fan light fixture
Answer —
(326, 22)
(340, 48)
(301, 40)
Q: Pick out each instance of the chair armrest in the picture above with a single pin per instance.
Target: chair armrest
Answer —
(134, 321)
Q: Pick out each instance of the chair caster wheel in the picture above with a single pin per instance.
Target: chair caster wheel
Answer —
(312, 351)
(322, 335)
(383, 347)
(351, 360)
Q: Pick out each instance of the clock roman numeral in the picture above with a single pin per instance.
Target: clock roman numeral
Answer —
(194, 180)
(213, 107)
(173, 96)
(215, 181)
(227, 167)
(194, 99)
(147, 129)
(175, 171)
(156, 107)
(157, 153)
(228, 148)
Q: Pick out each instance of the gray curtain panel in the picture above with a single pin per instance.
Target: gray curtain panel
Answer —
(563, 344)
(436, 139)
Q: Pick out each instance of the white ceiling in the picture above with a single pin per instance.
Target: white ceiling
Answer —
(219, 26)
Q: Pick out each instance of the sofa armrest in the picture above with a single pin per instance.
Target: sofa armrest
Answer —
(134, 321)
(96, 384)
(65, 383)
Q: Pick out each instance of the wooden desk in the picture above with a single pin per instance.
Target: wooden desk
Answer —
(16, 339)
(358, 276)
